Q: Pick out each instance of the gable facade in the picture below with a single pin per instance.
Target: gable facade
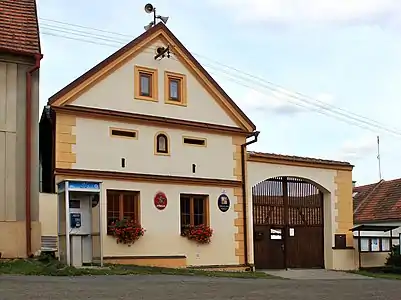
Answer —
(105, 129)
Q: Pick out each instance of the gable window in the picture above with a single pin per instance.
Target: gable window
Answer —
(194, 141)
(124, 133)
(194, 210)
(122, 205)
(145, 86)
(162, 144)
(175, 88)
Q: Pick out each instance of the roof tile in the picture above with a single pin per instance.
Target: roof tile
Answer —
(379, 201)
(19, 29)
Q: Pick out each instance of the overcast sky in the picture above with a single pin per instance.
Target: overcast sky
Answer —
(344, 53)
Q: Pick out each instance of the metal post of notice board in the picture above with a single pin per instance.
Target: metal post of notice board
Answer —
(399, 242)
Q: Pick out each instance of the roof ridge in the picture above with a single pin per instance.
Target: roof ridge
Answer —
(368, 184)
(368, 196)
(297, 158)
(391, 180)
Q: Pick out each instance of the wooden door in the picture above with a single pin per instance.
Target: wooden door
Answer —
(288, 224)
(269, 247)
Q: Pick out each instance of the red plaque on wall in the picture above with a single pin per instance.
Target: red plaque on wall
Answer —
(160, 200)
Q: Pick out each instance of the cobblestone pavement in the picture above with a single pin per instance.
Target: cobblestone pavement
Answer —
(177, 287)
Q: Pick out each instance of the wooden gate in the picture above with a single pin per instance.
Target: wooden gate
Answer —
(288, 224)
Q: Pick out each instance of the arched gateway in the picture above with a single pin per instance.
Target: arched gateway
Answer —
(288, 224)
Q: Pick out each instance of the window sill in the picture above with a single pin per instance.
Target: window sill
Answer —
(381, 251)
(162, 154)
(178, 103)
(145, 98)
(346, 248)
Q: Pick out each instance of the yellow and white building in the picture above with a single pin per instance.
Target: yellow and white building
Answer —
(142, 125)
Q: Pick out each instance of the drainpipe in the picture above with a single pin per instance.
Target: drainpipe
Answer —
(254, 134)
(28, 154)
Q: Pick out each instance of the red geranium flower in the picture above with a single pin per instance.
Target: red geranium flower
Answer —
(199, 233)
(126, 231)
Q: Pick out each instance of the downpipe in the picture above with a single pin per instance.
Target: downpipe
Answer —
(255, 135)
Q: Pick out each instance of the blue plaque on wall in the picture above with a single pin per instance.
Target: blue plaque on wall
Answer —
(223, 202)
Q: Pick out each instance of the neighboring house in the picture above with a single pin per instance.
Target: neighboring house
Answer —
(141, 126)
(20, 56)
(377, 205)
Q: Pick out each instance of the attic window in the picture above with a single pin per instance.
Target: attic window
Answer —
(125, 133)
(145, 86)
(194, 141)
(175, 88)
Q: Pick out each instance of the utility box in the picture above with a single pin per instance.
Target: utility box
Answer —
(79, 223)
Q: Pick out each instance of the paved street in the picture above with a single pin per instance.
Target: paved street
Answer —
(308, 274)
(176, 287)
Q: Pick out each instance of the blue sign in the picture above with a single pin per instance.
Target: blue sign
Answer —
(83, 185)
(223, 202)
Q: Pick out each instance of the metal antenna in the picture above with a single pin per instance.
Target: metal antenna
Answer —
(378, 158)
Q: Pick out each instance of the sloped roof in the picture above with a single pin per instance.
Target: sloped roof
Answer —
(379, 201)
(299, 159)
(19, 27)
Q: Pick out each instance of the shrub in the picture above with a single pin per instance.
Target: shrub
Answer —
(394, 258)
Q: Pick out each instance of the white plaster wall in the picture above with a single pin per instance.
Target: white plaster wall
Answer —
(116, 92)
(48, 214)
(162, 236)
(96, 150)
(324, 178)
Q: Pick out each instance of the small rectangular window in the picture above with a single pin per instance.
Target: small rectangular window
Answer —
(194, 210)
(145, 84)
(126, 133)
(175, 88)
(122, 205)
(194, 141)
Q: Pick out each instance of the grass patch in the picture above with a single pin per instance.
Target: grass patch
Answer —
(378, 274)
(51, 267)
